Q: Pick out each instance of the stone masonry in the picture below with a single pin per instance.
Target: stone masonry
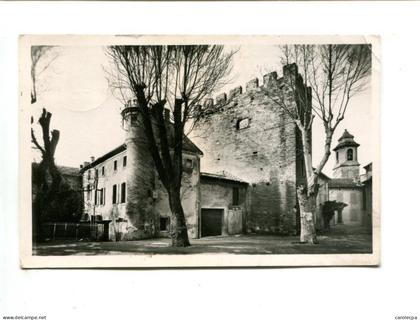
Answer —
(253, 138)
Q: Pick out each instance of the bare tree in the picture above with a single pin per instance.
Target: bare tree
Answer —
(177, 78)
(329, 76)
(42, 57)
(47, 178)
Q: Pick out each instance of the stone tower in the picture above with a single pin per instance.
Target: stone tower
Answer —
(140, 176)
(254, 139)
(347, 165)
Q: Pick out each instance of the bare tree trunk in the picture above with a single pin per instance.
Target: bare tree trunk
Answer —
(307, 205)
(178, 230)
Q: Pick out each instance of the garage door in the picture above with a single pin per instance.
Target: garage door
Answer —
(211, 222)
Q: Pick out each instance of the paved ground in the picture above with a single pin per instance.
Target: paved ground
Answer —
(338, 240)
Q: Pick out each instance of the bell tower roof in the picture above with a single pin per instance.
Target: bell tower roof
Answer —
(346, 140)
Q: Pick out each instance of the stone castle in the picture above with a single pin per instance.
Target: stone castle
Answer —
(241, 168)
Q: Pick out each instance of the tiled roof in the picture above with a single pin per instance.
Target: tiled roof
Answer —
(346, 144)
(222, 175)
(188, 145)
(343, 183)
(346, 140)
(106, 156)
(68, 171)
(346, 135)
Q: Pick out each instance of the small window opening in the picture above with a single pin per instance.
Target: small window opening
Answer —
(188, 163)
(103, 171)
(123, 192)
(336, 156)
(124, 161)
(242, 123)
(114, 194)
(349, 154)
(164, 223)
(115, 165)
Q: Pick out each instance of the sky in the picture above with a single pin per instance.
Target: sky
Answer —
(75, 90)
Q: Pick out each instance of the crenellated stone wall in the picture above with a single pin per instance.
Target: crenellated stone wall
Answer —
(252, 137)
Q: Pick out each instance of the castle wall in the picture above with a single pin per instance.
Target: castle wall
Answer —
(254, 139)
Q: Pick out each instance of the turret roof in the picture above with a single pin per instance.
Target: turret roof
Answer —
(346, 135)
(346, 140)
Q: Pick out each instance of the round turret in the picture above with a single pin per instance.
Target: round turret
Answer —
(140, 175)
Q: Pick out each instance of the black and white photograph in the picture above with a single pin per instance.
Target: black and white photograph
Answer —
(199, 151)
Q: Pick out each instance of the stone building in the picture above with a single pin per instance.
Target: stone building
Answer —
(366, 179)
(241, 178)
(252, 153)
(123, 188)
(345, 185)
(348, 186)
(253, 138)
(224, 204)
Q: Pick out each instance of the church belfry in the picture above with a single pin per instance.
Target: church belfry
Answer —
(346, 165)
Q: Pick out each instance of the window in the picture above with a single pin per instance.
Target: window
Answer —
(89, 193)
(349, 154)
(164, 223)
(102, 196)
(188, 163)
(103, 171)
(235, 197)
(114, 194)
(242, 123)
(124, 161)
(88, 174)
(123, 192)
(96, 173)
(115, 165)
(336, 156)
(96, 197)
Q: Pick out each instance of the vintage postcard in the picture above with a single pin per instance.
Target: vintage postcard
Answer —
(199, 151)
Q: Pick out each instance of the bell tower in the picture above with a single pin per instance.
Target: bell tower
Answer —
(346, 165)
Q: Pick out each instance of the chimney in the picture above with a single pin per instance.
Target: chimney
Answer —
(85, 163)
(92, 159)
(81, 166)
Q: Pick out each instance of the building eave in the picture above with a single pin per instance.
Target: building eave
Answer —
(105, 157)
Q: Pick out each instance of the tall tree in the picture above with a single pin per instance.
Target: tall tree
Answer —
(177, 78)
(329, 77)
(46, 176)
